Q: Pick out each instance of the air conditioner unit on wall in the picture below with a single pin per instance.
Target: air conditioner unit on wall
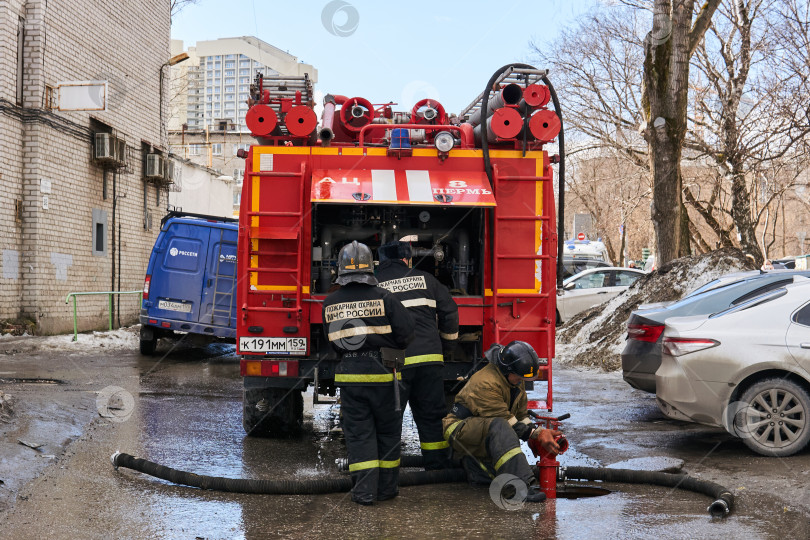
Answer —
(173, 171)
(155, 167)
(109, 151)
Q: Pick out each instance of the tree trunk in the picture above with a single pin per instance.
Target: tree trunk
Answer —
(668, 48)
(741, 214)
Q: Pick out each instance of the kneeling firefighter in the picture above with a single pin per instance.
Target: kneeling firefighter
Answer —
(429, 302)
(359, 320)
(490, 417)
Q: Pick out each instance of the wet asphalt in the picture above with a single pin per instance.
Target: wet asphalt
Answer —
(185, 413)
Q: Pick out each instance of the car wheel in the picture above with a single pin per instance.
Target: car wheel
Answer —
(272, 412)
(148, 341)
(774, 418)
(558, 322)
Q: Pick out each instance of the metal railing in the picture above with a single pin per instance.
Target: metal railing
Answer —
(110, 306)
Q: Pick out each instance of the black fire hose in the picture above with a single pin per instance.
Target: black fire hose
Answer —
(724, 499)
(722, 505)
(273, 487)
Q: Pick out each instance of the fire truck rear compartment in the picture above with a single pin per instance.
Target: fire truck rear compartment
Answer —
(447, 242)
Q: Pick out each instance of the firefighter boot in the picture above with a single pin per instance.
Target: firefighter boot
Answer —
(535, 494)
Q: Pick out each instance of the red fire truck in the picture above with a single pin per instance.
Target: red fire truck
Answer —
(472, 192)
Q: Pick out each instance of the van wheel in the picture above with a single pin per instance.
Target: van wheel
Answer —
(775, 419)
(148, 341)
(272, 412)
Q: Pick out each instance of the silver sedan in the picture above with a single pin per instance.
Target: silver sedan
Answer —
(592, 287)
(746, 368)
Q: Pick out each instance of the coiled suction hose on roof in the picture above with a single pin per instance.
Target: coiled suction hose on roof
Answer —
(561, 176)
(273, 487)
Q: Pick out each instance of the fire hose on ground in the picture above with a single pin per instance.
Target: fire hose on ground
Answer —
(722, 505)
(273, 487)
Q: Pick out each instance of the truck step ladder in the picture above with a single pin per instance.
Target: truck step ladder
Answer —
(220, 298)
(275, 241)
(506, 260)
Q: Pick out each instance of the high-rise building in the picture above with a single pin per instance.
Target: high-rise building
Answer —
(212, 87)
(208, 101)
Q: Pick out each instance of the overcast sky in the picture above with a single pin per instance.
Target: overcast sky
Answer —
(390, 51)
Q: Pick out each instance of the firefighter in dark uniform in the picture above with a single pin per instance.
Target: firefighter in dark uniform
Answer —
(359, 319)
(489, 418)
(429, 302)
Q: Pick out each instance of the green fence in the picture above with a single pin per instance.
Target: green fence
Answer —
(109, 304)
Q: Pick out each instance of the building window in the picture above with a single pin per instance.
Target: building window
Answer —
(230, 73)
(244, 72)
(99, 232)
(49, 99)
(230, 56)
(237, 198)
(194, 149)
(229, 64)
(216, 149)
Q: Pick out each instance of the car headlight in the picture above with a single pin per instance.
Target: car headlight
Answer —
(444, 141)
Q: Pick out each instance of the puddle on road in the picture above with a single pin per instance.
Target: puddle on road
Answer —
(204, 435)
(32, 380)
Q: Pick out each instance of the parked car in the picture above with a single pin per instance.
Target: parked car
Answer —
(641, 356)
(189, 283)
(593, 287)
(573, 265)
(746, 369)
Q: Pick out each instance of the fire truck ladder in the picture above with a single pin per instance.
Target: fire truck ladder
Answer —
(514, 299)
(286, 86)
(294, 232)
(223, 296)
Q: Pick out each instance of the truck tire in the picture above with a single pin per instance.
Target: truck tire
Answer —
(148, 341)
(272, 412)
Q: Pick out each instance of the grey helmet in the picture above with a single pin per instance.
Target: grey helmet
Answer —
(355, 265)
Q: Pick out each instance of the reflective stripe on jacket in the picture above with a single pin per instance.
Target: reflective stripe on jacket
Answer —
(358, 319)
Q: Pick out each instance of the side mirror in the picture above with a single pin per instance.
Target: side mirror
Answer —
(569, 286)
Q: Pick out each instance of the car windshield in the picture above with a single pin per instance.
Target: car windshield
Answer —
(575, 266)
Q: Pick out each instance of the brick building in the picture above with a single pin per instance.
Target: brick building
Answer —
(69, 222)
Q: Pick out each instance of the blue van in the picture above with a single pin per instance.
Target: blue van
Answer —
(189, 284)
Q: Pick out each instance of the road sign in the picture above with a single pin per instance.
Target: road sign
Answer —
(581, 236)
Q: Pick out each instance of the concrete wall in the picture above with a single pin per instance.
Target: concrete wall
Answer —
(53, 242)
(203, 192)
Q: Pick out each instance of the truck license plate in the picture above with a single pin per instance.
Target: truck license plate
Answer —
(174, 306)
(291, 345)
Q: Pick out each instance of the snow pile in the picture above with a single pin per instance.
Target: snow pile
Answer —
(596, 336)
(123, 338)
(6, 407)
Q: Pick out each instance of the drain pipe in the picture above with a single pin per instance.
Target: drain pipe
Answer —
(273, 487)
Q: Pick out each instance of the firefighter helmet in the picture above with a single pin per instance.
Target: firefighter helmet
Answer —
(519, 358)
(356, 264)
(394, 250)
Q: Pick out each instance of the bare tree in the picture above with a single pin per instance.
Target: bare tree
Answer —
(747, 109)
(678, 29)
(178, 5)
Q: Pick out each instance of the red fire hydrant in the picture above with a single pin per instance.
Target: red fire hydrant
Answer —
(547, 466)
